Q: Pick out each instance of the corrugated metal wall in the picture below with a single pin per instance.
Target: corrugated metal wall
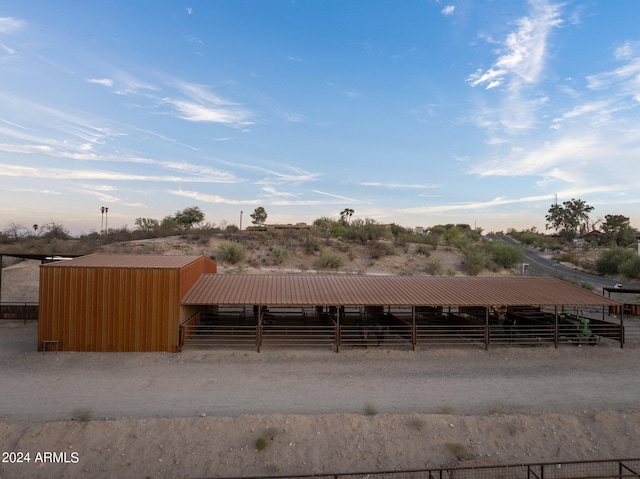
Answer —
(106, 309)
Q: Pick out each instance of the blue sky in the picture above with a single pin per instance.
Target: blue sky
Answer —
(418, 112)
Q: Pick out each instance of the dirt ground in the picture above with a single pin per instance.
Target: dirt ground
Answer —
(199, 413)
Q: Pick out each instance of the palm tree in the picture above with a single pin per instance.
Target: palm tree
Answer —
(346, 214)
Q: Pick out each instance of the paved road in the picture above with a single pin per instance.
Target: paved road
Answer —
(541, 265)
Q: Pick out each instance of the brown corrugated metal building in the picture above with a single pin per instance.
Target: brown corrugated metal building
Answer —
(106, 302)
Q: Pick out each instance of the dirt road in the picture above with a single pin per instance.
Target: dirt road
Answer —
(49, 386)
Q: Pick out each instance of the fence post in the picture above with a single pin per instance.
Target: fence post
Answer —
(556, 333)
(414, 334)
(486, 328)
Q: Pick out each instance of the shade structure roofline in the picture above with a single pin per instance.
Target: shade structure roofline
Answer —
(293, 290)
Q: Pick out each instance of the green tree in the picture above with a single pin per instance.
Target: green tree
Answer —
(569, 219)
(259, 216)
(617, 230)
(189, 217)
(147, 225)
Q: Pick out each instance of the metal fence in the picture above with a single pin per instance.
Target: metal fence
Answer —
(26, 311)
(603, 469)
(403, 328)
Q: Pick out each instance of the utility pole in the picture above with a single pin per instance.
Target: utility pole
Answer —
(241, 219)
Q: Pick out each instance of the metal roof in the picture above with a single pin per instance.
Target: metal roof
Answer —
(125, 261)
(360, 290)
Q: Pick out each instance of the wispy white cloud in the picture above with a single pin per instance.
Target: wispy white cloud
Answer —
(448, 10)
(478, 205)
(108, 82)
(288, 174)
(90, 174)
(272, 192)
(10, 25)
(208, 198)
(7, 49)
(399, 185)
(523, 51)
(199, 104)
(338, 197)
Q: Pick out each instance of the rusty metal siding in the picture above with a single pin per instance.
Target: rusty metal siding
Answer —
(358, 290)
(89, 306)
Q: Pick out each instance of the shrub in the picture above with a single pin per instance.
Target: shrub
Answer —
(330, 258)
(310, 245)
(378, 249)
(631, 268)
(231, 252)
(458, 450)
(271, 432)
(610, 262)
(474, 261)
(504, 255)
(279, 254)
(370, 410)
(261, 443)
(434, 267)
(417, 423)
(82, 414)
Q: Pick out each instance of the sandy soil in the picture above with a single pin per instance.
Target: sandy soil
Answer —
(199, 413)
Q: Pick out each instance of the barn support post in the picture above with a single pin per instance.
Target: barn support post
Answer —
(259, 328)
(414, 334)
(486, 328)
(1, 257)
(622, 327)
(338, 331)
(556, 329)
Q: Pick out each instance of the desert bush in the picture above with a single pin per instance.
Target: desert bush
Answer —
(279, 254)
(448, 410)
(82, 414)
(379, 249)
(513, 428)
(498, 409)
(504, 255)
(310, 245)
(460, 451)
(366, 230)
(417, 423)
(369, 410)
(613, 261)
(231, 252)
(261, 443)
(330, 258)
(475, 260)
(423, 250)
(434, 267)
(631, 267)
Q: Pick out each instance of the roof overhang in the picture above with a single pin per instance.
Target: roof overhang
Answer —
(363, 290)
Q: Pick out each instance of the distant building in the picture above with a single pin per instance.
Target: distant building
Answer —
(594, 237)
(419, 230)
(280, 227)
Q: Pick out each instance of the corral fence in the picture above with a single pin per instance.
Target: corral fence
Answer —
(602, 469)
(405, 327)
(25, 311)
